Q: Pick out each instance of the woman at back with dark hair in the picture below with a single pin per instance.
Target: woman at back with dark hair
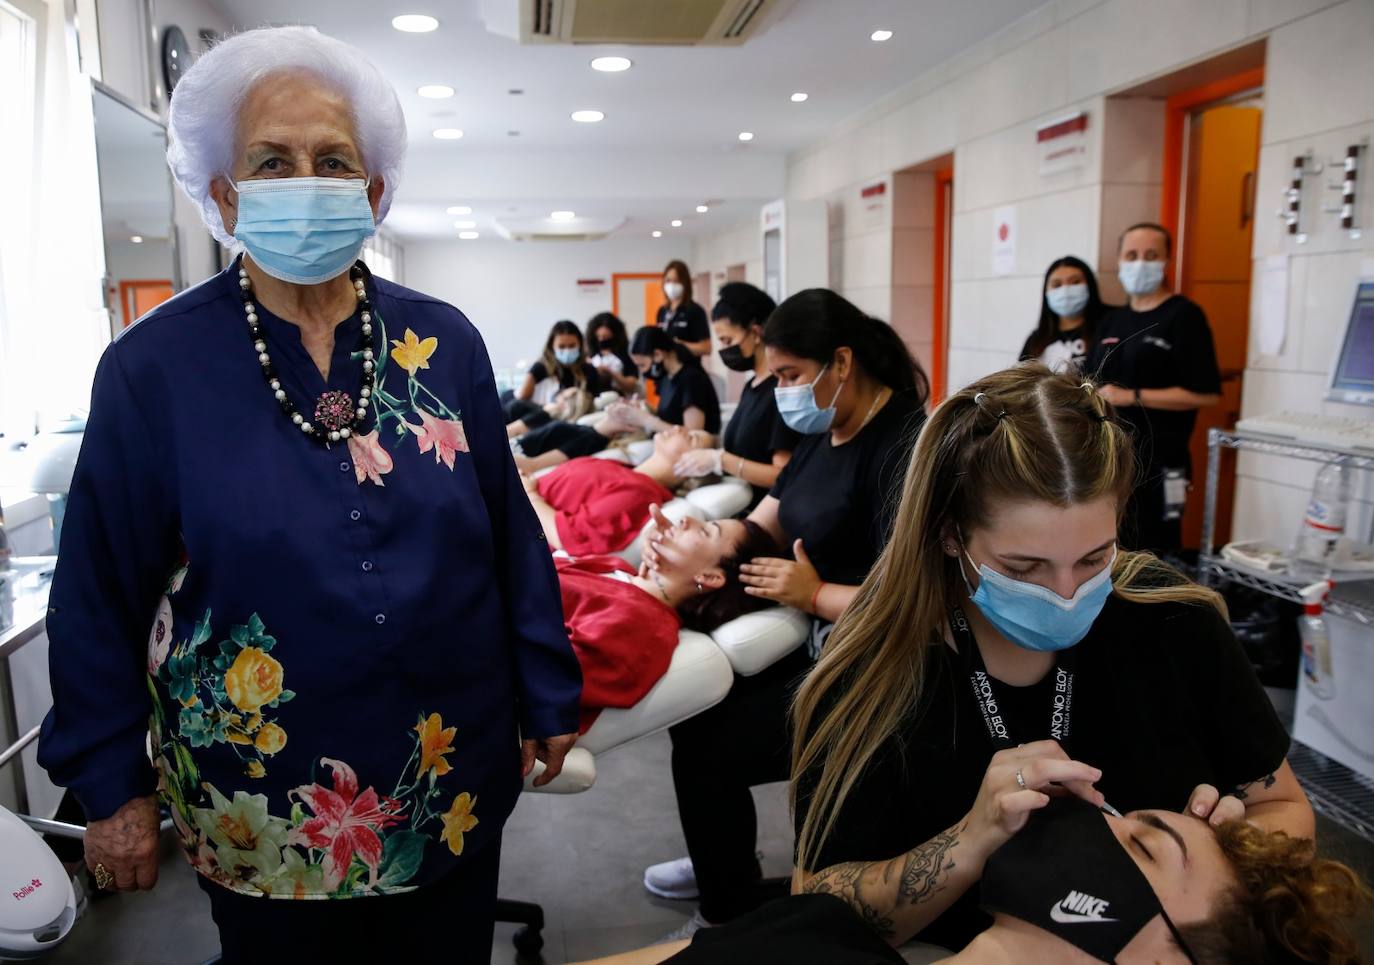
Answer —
(563, 365)
(1070, 308)
(683, 319)
(849, 385)
(608, 350)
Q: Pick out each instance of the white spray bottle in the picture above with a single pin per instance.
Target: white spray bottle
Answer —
(1316, 643)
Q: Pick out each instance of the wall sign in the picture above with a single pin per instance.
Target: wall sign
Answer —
(1063, 143)
(591, 286)
(1004, 241)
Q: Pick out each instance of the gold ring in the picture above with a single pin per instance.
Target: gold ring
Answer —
(1020, 779)
(103, 878)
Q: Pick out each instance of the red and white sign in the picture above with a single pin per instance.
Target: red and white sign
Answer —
(1063, 143)
(1004, 241)
(591, 286)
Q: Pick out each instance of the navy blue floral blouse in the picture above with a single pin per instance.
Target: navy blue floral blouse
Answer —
(334, 649)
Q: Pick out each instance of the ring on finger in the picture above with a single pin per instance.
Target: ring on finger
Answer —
(1020, 779)
(104, 878)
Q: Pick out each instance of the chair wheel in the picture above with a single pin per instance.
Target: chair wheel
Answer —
(528, 940)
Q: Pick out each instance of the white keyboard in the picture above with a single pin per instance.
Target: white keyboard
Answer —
(1341, 432)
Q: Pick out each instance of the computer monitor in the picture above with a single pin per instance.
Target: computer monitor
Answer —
(1352, 379)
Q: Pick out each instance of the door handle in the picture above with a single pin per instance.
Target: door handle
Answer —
(1247, 199)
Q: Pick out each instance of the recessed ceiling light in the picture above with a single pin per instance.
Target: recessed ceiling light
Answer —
(587, 117)
(516, 91)
(458, 209)
(136, 239)
(415, 23)
(464, 225)
(702, 209)
(436, 91)
(448, 133)
(562, 215)
(799, 96)
(676, 222)
(658, 234)
(468, 235)
(512, 134)
(746, 135)
(880, 35)
(611, 65)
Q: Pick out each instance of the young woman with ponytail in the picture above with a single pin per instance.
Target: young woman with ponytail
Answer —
(1004, 650)
(851, 387)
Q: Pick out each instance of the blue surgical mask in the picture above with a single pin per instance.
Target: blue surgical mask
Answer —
(798, 408)
(1067, 301)
(1033, 616)
(567, 356)
(304, 230)
(1140, 277)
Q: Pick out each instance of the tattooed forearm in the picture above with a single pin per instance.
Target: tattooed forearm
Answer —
(1265, 783)
(924, 869)
(845, 881)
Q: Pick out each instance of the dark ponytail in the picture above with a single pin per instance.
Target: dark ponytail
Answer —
(812, 324)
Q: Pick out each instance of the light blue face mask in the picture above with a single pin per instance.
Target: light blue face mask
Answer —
(798, 408)
(304, 230)
(1036, 617)
(1140, 277)
(567, 356)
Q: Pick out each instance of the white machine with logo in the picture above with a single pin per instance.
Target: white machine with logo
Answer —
(37, 902)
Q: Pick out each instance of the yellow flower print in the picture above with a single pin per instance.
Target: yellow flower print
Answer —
(238, 737)
(255, 769)
(270, 739)
(436, 740)
(254, 723)
(458, 820)
(413, 354)
(254, 679)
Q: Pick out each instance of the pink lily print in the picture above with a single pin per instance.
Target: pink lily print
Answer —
(345, 823)
(445, 436)
(370, 460)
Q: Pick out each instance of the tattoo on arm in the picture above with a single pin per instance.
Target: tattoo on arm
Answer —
(1266, 782)
(844, 881)
(924, 869)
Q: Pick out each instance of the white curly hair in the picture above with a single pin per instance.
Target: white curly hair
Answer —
(205, 106)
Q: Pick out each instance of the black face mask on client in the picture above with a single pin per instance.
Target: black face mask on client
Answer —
(1066, 873)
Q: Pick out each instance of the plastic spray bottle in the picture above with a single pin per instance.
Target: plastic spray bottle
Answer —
(1316, 643)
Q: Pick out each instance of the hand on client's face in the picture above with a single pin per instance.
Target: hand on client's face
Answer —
(1209, 804)
(1004, 803)
(788, 582)
(695, 463)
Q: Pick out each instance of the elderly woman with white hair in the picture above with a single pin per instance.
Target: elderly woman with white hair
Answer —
(298, 476)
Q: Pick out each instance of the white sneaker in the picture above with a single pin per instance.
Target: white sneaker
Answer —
(672, 879)
(688, 928)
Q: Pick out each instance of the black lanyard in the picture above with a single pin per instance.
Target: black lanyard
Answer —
(985, 688)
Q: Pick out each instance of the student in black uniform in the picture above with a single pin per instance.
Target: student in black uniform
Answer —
(757, 444)
(1004, 643)
(1158, 366)
(1070, 310)
(682, 318)
(686, 396)
(608, 349)
(563, 365)
(850, 386)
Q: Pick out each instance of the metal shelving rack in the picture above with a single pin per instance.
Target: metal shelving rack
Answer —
(1333, 789)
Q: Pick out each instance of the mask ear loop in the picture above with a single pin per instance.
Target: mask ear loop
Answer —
(1178, 936)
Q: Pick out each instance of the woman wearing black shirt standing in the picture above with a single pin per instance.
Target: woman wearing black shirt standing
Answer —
(683, 319)
(1004, 643)
(850, 386)
(757, 443)
(1070, 309)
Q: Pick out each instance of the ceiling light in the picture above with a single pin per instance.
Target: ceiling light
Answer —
(464, 225)
(587, 117)
(702, 209)
(561, 215)
(458, 209)
(746, 135)
(658, 234)
(468, 235)
(512, 134)
(799, 96)
(676, 222)
(516, 91)
(415, 23)
(879, 36)
(436, 91)
(136, 239)
(611, 65)
(448, 133)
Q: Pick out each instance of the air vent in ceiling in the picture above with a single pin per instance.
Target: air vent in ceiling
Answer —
(664, 22)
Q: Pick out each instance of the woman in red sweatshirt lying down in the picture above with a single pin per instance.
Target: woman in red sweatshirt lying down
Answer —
(591, 507)
(624, 624)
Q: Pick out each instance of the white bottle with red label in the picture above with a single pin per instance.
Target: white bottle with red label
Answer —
(1317, 671)
(1323, 524)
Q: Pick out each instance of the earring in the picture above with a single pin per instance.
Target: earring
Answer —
(699, 589)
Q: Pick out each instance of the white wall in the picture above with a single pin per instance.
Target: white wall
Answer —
(514, 291)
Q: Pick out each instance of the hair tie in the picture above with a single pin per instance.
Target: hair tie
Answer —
(980, 400)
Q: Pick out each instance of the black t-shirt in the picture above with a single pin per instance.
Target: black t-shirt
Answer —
(756, 430)
(1164, 700)
(1066, 352)
(800, 930)
(1170, 345)
(690, 388)
(689, 324)
(839, 500)
(566, 378)
(570, 439)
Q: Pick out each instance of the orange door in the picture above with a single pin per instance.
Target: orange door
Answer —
(1215, 272)
(137, 298)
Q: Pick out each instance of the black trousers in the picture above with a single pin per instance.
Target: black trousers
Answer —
(450, 921)
(1144, 526)
(522, 410)
(569, 439)
(717, 757)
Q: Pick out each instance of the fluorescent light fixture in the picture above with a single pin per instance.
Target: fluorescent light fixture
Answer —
(746, 135)
(458, 209)
(702, 209)
(799, 96)
(588, 117)
(562, 215)
(676, 222)
(658, 234)
(436, 91)
(448, 133)
(464, 225)
(136, 239)
(612, 65)
(415, 23)
(468, 235)
(878, 36)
